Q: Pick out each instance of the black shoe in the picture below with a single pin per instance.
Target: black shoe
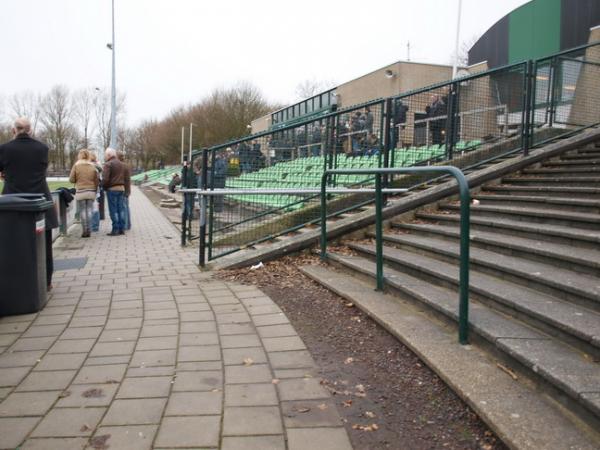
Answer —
(112, 233)
(121, 232)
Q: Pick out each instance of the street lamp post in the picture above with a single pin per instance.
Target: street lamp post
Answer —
(113, 92)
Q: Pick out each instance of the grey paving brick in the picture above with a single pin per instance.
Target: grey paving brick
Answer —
(20, 404)
(161, 314)
(11, 376)
(43, 331)
(91, 312)
(53, 320)
(253, 443)
(72, 346)
(157, 343)
(325, 438)
(197, 316)
(153, 358)
(46, 381)
(295, 373)
(159, 330)
(253, 420)
(194, 403)
(108, 374)
(189, 307)
(182, 432)
(264, 309)
(37, 343)
(282, 344)
(81, 333)
(4, 391)
(126, 313)
(257, 373)
(233, 318)
(191, 339)
(13, 431)
(291, 360)
(150, 371)
(270, 319)
(113, 348)
(117, 324)
(163, 306)
(54, 443)
(12, 327)
(145, 387)
(135, 412)
(199, 353)
(138, 437)
(276, 331)
(107, 360)
(119, 335)
(301, 389)
(228, 308)
(92, 321)
(239, 356)
(235, 328)
(8, 339)
(310, 413)
(250, 395)
(69, 422)
(61, 361)
(126, 304)
(199, 366)
(84, 395)
(240, 340)
(198, 381)
(198, 327)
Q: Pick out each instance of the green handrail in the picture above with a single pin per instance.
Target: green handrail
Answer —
(465, 212)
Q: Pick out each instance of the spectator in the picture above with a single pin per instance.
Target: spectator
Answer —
(368, 117)
(115, 183)
(126, 212)
(99, 203)
(175, 181)
(400, 110)
(86, 180)
(219, 178)
(23, 164)
(436, 108)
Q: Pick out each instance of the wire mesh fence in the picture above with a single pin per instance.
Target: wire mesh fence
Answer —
(462, 122)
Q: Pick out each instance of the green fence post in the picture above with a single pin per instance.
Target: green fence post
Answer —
(324, 216)
(378, 232)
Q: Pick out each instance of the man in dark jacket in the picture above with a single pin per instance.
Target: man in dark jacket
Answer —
(117, 184)
(23, 164)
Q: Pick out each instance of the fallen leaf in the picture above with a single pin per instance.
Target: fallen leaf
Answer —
(349, 360)
(99, 442)
(303, 410)
(350, 305)
(275, 381)
(360, 388)
(508, 370)
(322, 406)
(248, 361)
(85, 427)
(64, 394)
(347, 403)
(369, 414)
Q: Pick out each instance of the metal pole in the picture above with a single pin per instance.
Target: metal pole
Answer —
(455, 64)
(191, 126)
(324, 217)
(465, 212)
(113, 92)
(378, 232)
(182, 142)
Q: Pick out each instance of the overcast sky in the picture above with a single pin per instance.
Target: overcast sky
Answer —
(174, 52)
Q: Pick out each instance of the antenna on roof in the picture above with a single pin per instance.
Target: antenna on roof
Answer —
(408, 51)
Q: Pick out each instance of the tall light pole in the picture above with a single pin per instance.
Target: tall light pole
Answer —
(113, 91)
(455, 64)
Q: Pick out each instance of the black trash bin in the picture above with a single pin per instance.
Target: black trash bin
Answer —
(22, 253)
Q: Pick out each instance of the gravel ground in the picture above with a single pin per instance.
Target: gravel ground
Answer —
(386, 396)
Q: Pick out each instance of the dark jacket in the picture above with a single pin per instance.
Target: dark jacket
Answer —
(23, 162)
(115, 176)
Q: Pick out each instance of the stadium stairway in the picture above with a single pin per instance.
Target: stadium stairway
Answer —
(533, 373)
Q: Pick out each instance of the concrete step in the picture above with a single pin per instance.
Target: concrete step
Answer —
(567, 373)
(520, 415)
(571, 163)
(589, 206)
(580, 155)
(538, 215)
(528, 277)
(571, 192)
(550, 181)
(589, 171)
(582, 260)
(579, 238)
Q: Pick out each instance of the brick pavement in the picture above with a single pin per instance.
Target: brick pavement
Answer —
(140, 350)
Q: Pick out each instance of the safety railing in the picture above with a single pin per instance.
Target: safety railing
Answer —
(463, 308)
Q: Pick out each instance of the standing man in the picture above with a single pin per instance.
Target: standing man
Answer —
(116, 184)
(126, 211)
(23, 164)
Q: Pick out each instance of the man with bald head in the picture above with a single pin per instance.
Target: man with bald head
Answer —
(23, 164)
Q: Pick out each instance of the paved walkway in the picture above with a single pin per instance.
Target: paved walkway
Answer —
(139, 349)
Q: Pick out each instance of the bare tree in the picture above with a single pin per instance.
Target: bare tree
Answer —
(463, 51)
(83, 111)
(56, 116)
(27, 104)
(312, 87)
(102, 111)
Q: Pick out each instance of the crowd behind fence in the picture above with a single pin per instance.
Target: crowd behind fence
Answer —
(462, 122)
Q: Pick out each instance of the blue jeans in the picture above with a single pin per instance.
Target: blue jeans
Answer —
(115, 209)
(126, 214)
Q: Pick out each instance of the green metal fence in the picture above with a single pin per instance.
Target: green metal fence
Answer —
(463, 123)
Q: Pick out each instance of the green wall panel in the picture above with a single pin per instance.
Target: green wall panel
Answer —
(534, 30)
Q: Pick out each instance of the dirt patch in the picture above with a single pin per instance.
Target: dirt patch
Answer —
(386, 396)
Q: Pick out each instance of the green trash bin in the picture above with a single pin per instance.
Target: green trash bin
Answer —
(22, 253)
